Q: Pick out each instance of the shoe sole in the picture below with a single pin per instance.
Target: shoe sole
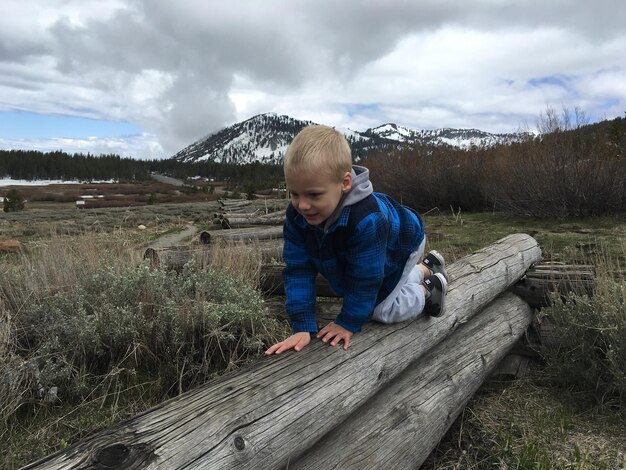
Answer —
(444, 291)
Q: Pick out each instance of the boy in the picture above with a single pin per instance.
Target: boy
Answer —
(365, 244)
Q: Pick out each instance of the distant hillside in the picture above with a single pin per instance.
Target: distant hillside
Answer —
(265, 138)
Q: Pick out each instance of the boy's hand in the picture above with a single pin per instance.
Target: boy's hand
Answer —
(296, 342)
(335, 333)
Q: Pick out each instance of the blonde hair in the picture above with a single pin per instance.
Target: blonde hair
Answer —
(319, 148)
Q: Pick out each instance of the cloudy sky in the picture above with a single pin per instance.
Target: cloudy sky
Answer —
(145, 78)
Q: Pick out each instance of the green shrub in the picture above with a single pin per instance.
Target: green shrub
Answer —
(590, 353)
(13, 201)
(129, 324)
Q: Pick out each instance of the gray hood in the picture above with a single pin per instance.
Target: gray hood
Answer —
(361, 188)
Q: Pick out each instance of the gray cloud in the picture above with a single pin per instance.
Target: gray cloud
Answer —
(177, 68)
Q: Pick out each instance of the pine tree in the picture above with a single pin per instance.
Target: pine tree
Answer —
(13, 201)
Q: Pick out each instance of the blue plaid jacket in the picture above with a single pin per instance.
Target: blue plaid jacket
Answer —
(362, 255)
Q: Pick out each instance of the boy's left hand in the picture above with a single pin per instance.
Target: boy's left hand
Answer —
(335, 333)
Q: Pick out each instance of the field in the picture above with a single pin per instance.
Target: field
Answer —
(523, 423)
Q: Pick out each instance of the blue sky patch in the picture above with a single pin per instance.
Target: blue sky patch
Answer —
(27, 125)
(356, 109)
(558, 80)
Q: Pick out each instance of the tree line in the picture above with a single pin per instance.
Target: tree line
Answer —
(34, 165)
(570, 169)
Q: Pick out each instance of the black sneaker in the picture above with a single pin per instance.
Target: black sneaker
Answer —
(437, 286)
(435, 262)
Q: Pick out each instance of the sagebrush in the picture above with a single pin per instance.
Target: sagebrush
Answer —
(67, 341)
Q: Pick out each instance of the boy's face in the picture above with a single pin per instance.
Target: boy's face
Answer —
(315, 194)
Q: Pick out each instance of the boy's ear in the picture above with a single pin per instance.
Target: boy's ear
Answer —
(346, 183)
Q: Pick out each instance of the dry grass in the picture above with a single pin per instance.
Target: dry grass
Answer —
(527, 426)
(114, 337)
(238, 258)
(522, 424)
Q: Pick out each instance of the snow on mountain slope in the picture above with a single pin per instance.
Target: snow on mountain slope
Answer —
(264, 138)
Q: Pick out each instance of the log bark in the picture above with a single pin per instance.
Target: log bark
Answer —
(270, 413)
(221, 215)
(401, 425)
(535, 287)
(259, 213)
(243, 234)
(239, 222)
(231, 203)
(173, 258)
(272, 282)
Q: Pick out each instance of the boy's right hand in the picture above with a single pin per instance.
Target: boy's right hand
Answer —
(296, 342)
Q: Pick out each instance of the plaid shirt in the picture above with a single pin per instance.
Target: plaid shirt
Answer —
(362, 255)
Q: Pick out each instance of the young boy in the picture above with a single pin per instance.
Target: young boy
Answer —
(365, 244)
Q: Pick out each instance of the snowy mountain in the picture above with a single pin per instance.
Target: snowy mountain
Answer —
(462, 138)
(264, 138)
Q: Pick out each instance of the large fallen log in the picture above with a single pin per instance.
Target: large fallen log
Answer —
(399, 427)
(272, 412)
(535, 287)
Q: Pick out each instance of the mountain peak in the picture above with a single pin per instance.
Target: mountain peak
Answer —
(265, 137)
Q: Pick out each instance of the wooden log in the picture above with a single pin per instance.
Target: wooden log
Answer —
(535, 287)
(173, 258)
(271, 412)
(247, 235)
(271, 279)
(232, 203)
(402, 424)
(237, 214)
(549, 277)
(258, 214)
(248, 221)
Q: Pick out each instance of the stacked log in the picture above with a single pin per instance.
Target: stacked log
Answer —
(277, 412)
(552, 277)
(400, 427)
(239, 214)
(535, 287)
(234, 204)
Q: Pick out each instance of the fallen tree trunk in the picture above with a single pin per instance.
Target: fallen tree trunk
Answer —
(270, 413)
(221, 215)
(232, 203)
(243, 234)
(272, 282)
(535, 287)
(233, 222)
(401, 425)
(173, 257)
(259, 213)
